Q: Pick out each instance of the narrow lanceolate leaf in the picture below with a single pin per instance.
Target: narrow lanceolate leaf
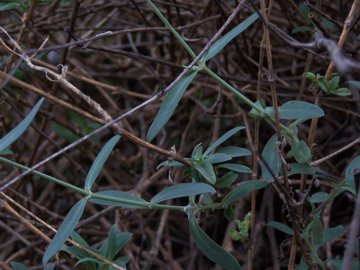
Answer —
(355, 84)
(235, 167)
(18, 266)
(222, 139)
(65, 229)
(99, 162)
(352, 169)
(234, 151)
(242, 190)
(206, 170)
(218, 158)
(271, 157)
(294, 110)
(210, 248)
(15, 133)
(301, 152)
(281, 227)
(169, 105)
(118, 198)
(182, 190)
(222, 42)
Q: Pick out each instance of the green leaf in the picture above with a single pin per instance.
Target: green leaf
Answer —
(310, 76)
(334, 83)
(301, 152)
(15, 133)
(65, 229)
(281, 227)
(271, 157)
(108, 249)
(331, 233)
(181, 190)
(319, 197)
(169, 105)
(235, 167)
(342, 92)
(227, 180)
(99, 162)
(294, 109)
(301, 29)
(242, 190)
(234, 151)
(9, 6)
(222, 42)
(210, 248)
(222, 139)
(118, 198)
(351, 170)
(218, 158)
(6, 151)
(303, 168)
(206, 170)
(327, 24)
(317, 231)
(64, 132)
(170, 163)
(355, 84)
(18, 266)
(122, 239)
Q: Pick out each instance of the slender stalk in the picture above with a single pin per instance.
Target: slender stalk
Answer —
(172, 29)
(43, 175)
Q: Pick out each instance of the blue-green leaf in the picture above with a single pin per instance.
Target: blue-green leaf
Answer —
(210, 248)
(64, 132)
(342, 92)
(235, 167)
(355, 84)
(108, 249)
(206, 170)
(65, 229)
(242, 190)
(218, 158)
(294, 109)
(222, 139)
(351, 170)
(6, 151)
(222, 42)
(181, 190)
(118, 198)
(281, 227)
(301, 151)
(226, 180)
(169, 105)
(302, 168)
(99, 162)
(234, 151)
(15, 133)
(170, 163)
(331, 233)
(18, 266)
(8, 6)
(319, 197)
(271, 157)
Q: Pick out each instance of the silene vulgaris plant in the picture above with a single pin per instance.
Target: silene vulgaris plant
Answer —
(212, 169)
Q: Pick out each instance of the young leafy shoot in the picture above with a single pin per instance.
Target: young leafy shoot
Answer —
(65, 229)
(206, 169)
(169, 105)
(15, 133)
(182, 190)
(99, 162)
(210, 248)
(222, 139)
(228, 37)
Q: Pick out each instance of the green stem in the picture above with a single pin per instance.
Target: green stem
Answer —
(43, 175)
(247, 101)
(172, 29)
